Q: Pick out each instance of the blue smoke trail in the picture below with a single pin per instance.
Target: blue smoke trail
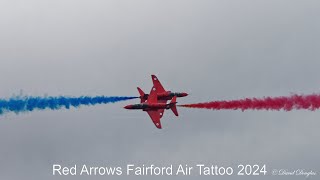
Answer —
(23, 104)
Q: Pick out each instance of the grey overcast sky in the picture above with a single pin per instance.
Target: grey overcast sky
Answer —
(213, 49)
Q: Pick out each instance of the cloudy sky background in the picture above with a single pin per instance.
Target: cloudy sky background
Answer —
(212, 49)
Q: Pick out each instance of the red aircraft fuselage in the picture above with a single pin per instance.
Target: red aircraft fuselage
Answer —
(150, 106)
(168, 95)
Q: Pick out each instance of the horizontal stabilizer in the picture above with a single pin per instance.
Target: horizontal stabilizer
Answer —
(142, 94)
(174, 106)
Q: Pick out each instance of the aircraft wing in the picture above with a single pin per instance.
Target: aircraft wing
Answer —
(155, 116)
(161, 112)
(152, 93)
(157, 84)
(153, 96)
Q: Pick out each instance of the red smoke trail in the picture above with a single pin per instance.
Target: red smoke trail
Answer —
(309, 102)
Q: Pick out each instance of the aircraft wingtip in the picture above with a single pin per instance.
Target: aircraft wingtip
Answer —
(154, 77)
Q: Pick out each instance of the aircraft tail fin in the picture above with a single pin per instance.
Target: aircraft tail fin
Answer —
(142, 95)
(174, 106)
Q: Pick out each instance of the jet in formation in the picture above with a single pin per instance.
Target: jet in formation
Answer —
(156, 102)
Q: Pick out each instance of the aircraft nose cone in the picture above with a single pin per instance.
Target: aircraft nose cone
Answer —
(127, 107)
(185, 94)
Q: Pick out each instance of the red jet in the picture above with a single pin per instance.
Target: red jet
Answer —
(154, 108)
(155, 103)
(162, 95)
